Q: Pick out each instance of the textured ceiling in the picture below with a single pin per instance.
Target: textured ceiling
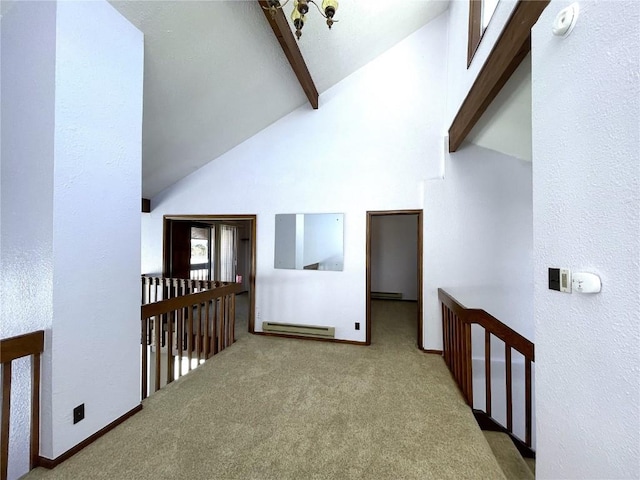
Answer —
(215, 74)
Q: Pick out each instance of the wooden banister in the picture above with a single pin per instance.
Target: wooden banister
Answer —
(174, 303)
(184, 324)
(30, 344)
(457, 352)
(489, 322)
(156, 288)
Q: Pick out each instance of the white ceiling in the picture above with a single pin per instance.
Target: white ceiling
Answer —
(215, 74)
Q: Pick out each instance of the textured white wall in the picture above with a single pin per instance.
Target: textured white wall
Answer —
(26, 246)
(586, 174)
(478, 238)
(394, 255)
(374, 139)
(71, 160)
(97, 190)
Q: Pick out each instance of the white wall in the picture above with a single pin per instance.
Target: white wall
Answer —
(376, 136)
(26, 248)
(586, 175)
(394, 255)
(97, 191)
(71, 161)
(478, 238)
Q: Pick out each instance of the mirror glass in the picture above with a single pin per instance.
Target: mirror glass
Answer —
(311, 241)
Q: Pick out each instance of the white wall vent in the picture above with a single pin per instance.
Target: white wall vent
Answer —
(304, 330)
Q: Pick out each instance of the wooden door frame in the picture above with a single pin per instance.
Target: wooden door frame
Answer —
(370, 215)
(252, 219)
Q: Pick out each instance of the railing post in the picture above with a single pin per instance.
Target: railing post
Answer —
(158, 327)
(507, 361)
(468, 364)
(34, 448)
(528, 405)
(6, 414)
(144, 344)
(169, 343)
(487, 371)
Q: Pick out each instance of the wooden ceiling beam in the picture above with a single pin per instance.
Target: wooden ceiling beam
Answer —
(510, 49)
(289, 45)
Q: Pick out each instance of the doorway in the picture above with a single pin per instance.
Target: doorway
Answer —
(213, 247)
(394, 261)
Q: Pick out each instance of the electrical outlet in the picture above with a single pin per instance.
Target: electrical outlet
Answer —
(78, 413)
(357, 325)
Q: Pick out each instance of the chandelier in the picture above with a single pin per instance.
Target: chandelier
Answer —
(300, 9)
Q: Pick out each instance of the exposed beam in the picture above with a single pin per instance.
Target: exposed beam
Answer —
(146, 205)
(283, 33)
(513, 45)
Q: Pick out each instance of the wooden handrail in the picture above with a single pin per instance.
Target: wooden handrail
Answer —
(490, 323)
(457, 352)
(171, 304)
(29, 344)
(185, 324)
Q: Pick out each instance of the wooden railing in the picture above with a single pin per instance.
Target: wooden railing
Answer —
(456, 327)
(199, 271)
(30, 344)
(156, 288)
(193, 326)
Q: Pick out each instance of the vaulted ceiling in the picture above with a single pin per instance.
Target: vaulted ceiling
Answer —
(216, 75)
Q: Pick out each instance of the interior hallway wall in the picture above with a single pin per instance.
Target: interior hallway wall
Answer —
(71, 161)
(394, 255)
(586, 174)
(26, 245)
(479, 237)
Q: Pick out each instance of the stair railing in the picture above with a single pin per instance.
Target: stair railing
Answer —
(156, 288)
(191, 326)
(457, 353)
(30, 344)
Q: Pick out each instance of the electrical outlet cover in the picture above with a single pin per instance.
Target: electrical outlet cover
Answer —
(78, 413)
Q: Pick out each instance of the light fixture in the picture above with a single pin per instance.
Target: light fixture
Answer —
(300, 9)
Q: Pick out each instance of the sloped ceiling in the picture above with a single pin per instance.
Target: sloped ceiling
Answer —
(506, 125)
(215, 74)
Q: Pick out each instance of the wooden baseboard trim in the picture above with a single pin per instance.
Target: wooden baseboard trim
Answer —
(50, 464)
(301, 337)
(435, 352)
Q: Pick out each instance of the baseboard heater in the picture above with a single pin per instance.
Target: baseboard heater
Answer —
(386, 296)
(304, 330)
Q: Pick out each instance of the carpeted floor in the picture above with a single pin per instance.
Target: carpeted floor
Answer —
(276, 408)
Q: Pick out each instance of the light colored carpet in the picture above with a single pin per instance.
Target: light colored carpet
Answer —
(276, 408)
(508, 456)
